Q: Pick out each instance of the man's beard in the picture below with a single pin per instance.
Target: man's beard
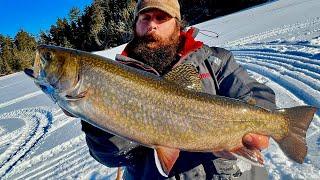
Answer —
(155, 52)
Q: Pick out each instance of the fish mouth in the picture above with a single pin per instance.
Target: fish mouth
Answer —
(33, 73)
(42, 84)
(29, 72)
(38, 74)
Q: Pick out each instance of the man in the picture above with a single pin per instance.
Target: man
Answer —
(160, 44)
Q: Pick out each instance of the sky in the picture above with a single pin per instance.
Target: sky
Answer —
(34, 15)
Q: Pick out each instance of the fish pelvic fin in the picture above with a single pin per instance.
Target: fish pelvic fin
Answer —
(294, 144)
(225, 154)
(165, 159)
(251, 156)
(185, 75)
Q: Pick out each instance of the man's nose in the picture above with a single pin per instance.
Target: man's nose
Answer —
(152, 26)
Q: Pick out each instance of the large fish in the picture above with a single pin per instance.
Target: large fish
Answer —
(161, 114)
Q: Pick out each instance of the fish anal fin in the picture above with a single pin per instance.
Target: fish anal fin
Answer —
(186, 76)
(224, 154)
(165, 159)
(252, 156)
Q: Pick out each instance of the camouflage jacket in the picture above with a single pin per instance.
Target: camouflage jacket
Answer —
(220, 75)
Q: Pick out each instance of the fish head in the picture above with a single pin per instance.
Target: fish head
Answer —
(55, 69)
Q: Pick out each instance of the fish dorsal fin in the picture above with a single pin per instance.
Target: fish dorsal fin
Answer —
(186, 76)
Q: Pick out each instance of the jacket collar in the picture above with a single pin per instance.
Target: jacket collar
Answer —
(189, 43)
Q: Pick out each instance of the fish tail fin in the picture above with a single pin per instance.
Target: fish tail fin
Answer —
(294, 144)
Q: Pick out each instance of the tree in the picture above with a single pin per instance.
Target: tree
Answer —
(74, 14)
(23, 50)
(24, 41)
(7, 54)
(119, 20)
(98, 26)
(4, 66)
(44, 38)
(102, 25)
(61, 33)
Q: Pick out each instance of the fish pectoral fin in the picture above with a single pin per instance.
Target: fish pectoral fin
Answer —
(224, 154)
(76, 97)
(165, 159)
(185, 75)
(252, 156)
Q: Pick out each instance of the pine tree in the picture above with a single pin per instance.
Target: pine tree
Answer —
(23, 50)
(119, 26)
(98, 26)
(4, 66)
(61, 33)
(44, 38)
(85, 40)
(74, 14)
(7, 53)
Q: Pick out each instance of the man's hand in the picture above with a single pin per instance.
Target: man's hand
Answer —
(255, 141)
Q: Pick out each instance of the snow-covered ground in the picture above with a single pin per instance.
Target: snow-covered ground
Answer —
(279, 44)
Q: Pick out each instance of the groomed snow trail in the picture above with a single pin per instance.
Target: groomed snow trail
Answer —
(37, 121)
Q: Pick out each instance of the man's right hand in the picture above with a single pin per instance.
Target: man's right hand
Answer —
(256, 141)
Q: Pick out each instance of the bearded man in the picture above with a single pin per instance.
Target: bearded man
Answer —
(159, 44)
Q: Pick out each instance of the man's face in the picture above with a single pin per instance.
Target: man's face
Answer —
(158, 27)
(156, 40)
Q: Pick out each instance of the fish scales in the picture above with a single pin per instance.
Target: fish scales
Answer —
(155, 115)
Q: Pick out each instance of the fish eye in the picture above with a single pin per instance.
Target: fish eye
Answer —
(47, 56)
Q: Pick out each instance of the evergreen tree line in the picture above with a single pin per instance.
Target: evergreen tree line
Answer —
(16, 54)
(102, 25)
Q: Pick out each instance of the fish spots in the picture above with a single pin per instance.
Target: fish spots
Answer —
(226, 130)
(244, 110)
(87, 78)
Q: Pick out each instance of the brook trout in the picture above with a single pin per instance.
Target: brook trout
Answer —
(158, 113)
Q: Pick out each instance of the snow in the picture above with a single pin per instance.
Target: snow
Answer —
(278, 42)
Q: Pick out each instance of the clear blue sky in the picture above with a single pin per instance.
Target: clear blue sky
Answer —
(34, 15)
